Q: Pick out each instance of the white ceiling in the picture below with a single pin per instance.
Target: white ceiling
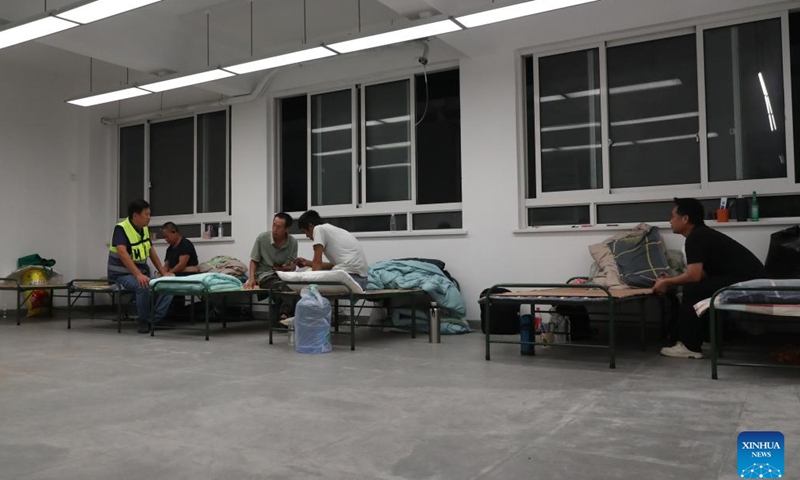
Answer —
(170, 36)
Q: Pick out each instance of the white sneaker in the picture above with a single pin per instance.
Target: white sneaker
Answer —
(679, 350)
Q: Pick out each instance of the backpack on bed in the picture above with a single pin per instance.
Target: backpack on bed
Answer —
(505, 317)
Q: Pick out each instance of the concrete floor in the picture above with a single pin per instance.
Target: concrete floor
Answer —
(93, 404)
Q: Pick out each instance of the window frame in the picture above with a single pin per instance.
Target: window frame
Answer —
(195, 217)
(608, 195)
(358, 84)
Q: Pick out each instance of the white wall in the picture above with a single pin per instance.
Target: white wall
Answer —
(43, 144)
(489, 253)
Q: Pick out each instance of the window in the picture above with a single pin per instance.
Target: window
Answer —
(569, 121)
(332, 148)
(388, 142)
(617, 128)
(547, 216)
(374, 150)
(438, 106)
(180, 166)
(653, 114)
(744, 98)
(172, 167)
(293, 145)
(131, 166)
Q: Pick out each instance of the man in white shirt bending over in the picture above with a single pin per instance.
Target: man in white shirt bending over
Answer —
(340, 247)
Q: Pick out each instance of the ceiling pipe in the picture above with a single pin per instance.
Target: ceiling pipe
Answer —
(257, 93)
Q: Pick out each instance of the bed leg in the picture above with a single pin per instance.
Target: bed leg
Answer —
(612, 334)
(205, 303)
(713, 320)
(224, 312)
(269, 314)
(153, 295)
(414, 317)
(353, 321)
(487, 326)
(19, 307)
(119, 311)
(336, 315)
(69, 308)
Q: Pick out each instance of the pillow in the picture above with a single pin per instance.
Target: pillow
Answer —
(322, 276)
(641, 260)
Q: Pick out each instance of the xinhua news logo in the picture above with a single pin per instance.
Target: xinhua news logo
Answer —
(761, 455)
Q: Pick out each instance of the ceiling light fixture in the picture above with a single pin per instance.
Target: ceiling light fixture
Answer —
(33, 30)
(373, 41)
(281, 60)
(516, 11)
(100, 9)
(186, 81)
(397, 36)
(109, 97)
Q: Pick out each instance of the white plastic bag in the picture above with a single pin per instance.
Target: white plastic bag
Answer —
(312, 322)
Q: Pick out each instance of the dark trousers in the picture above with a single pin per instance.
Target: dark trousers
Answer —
(693, 330)
(285, 305)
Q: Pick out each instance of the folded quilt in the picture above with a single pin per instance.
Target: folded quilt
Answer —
(201, 283)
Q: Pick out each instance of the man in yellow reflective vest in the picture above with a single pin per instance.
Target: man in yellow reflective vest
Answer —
(127, 263)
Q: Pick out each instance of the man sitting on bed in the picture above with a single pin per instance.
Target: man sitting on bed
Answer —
(274, 251)
(181, 257)
(338, 245)
(127, 262)
(714, 261)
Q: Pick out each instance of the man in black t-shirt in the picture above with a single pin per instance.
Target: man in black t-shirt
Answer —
(181, 257)
(714, 261)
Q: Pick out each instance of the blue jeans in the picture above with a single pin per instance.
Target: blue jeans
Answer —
(129, 283)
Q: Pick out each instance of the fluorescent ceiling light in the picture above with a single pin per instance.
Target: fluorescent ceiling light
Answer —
(33, 30)
(579, 147)
(333, 152)
(388, 146)
(394, 165)
(675, 82)
(334, 128)
(281, 60)
(552, 98)
(575, 126)
(773, 126)
(384, 121)
(663, 118)
(109, 97)
(397, 36)
(691, 136)
(186, 81)
(516, 11)
(101, 9)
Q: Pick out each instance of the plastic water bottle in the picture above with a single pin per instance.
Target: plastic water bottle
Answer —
(525, 334)
(5, 310)
(754, 208)
(392, 223)
(291, 334)
(219, 231)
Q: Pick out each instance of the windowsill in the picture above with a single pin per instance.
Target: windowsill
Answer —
(402, 234)
(201, 240)
(661, 225)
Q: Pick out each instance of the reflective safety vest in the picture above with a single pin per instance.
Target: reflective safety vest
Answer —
(140, 243)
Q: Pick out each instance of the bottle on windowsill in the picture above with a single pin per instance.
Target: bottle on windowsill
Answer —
(754, 208)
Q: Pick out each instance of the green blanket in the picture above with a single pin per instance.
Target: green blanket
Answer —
(201, 283)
